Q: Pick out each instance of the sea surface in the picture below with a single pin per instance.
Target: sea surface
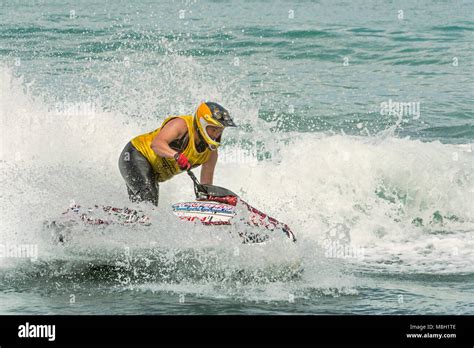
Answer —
(356, 126)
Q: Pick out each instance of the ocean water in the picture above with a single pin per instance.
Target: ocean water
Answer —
(379, 194)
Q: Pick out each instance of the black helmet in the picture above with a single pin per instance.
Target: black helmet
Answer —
(212, 114)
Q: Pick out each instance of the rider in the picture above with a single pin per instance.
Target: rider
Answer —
(181, 143)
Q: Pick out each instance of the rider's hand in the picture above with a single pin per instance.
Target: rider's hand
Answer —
(183, 162)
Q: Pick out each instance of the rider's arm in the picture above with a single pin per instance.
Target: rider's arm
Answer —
(207, 170)
(174, 129)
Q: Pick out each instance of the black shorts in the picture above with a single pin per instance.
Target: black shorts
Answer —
(141, 179)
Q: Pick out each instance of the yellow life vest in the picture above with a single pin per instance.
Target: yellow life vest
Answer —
(166, 168)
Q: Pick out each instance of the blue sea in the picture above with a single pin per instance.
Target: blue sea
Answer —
(355, 127)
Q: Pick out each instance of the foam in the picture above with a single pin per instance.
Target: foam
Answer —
(374, 188)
